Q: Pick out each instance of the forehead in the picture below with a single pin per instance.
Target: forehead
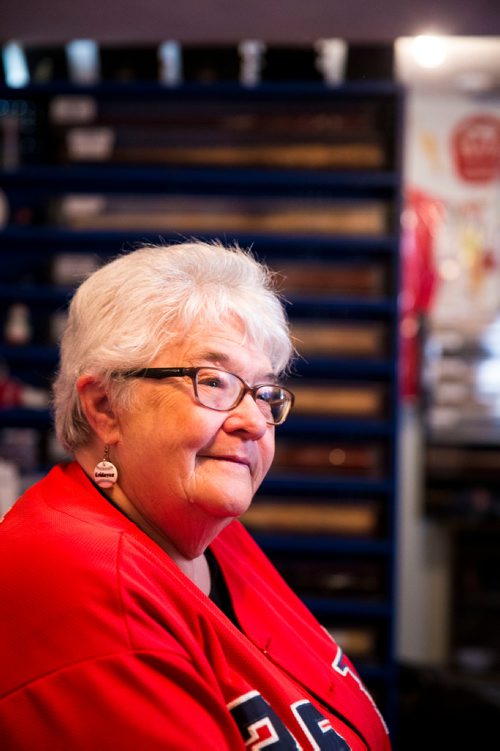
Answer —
(227, 346)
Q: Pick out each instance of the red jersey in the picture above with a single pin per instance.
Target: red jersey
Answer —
(106, 644)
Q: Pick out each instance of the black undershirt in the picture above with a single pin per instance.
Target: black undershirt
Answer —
(219, 592)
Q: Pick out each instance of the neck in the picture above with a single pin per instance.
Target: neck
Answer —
(194, 565)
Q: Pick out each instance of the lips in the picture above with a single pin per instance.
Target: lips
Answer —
(243, 460)
(235, 460)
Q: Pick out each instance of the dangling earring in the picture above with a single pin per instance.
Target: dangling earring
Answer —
(105, 472)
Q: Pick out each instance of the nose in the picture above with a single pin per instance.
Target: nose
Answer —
(248, 418)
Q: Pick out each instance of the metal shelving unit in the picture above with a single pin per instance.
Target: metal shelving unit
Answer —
(30, 239)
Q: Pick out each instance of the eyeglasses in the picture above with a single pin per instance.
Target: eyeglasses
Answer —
(217, 389)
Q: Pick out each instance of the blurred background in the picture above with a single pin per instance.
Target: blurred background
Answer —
(356, 148)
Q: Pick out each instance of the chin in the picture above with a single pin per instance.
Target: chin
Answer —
(232, 507)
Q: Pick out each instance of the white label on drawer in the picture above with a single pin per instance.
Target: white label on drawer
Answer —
(68, 110)
(77, 206)
(90, 143)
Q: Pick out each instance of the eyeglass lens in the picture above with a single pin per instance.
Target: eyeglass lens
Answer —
(220, 390)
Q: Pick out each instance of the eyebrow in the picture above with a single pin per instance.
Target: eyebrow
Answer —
(221, 358)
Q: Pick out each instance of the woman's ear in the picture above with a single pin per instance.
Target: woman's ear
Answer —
(97, 409)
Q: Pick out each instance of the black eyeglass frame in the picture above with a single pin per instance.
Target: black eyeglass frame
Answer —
(159, 374)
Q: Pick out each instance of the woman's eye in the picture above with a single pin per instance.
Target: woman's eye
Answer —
(269, 395)
(213, 382)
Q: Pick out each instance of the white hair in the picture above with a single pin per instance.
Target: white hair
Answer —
(129, 310)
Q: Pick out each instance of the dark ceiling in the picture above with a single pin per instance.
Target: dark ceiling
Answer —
(230, 20)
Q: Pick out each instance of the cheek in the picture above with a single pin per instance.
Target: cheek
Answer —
(267, 451)
(169, 421)
(193, 435)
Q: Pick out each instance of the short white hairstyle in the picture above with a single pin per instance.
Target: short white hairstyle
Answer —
(128, 311)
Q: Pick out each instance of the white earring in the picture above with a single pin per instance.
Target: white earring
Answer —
(105, 472)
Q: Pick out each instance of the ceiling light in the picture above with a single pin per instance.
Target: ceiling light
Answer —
(429, 51)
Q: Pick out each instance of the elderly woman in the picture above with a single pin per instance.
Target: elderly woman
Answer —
(137, 613)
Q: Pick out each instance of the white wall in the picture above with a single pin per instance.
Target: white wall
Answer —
(423, 599)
